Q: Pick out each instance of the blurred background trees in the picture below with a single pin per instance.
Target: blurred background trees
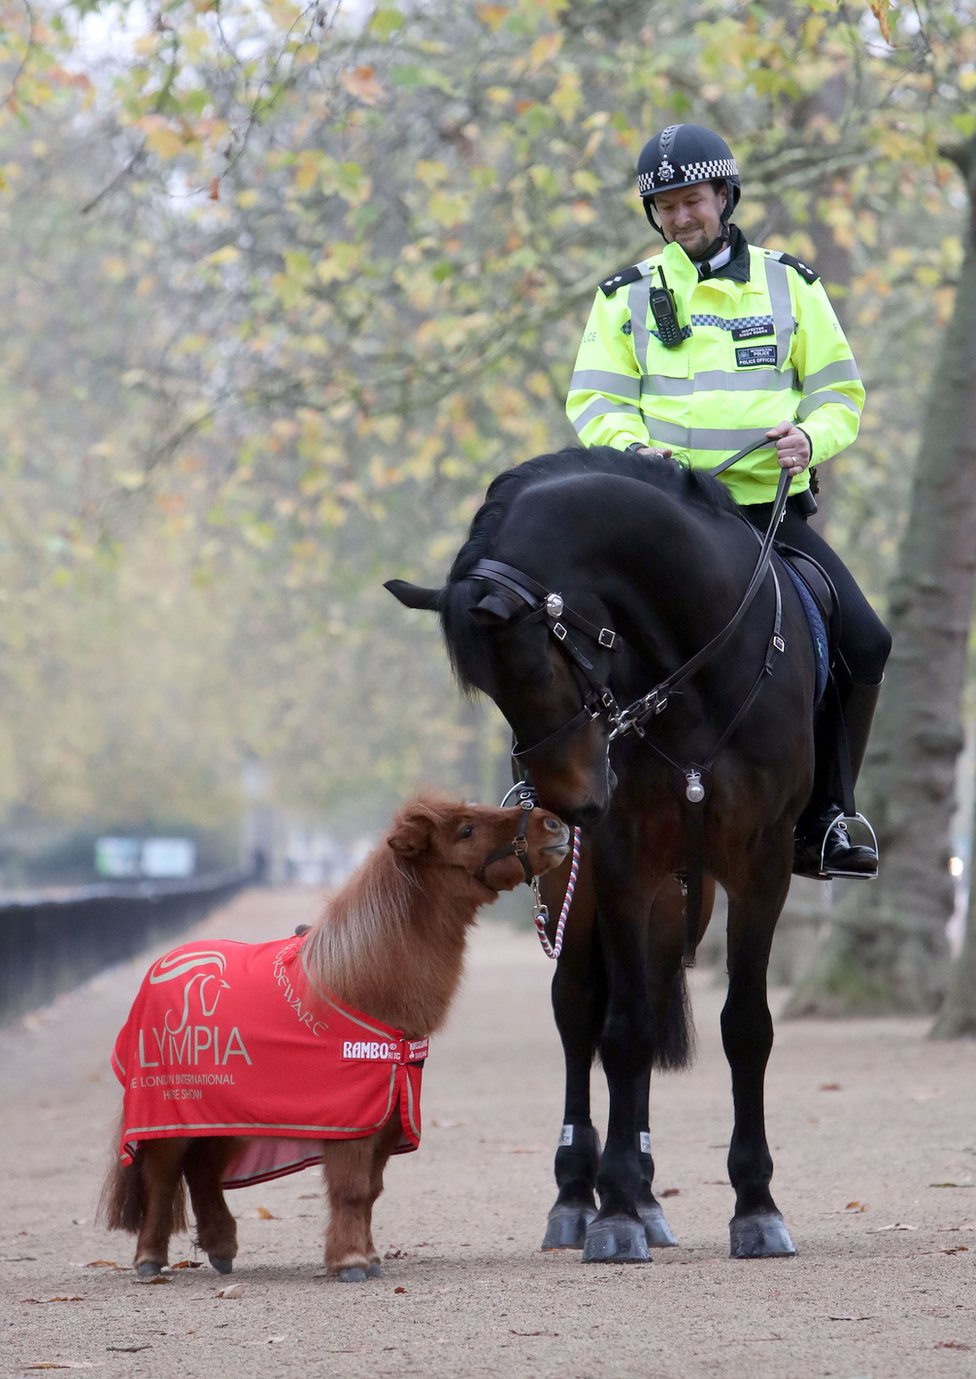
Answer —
(288, 283)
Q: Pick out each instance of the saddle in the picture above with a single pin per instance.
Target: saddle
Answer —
(820, 604)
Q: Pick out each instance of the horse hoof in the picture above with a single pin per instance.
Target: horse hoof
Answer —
(223, 1266)
(374, 1271)
(659, 1234)
(566, 1227)
(148, 1269)
(760, 1236)
(616, 1240)
(353, 1274)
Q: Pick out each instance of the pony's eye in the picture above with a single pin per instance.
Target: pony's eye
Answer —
(466, 831)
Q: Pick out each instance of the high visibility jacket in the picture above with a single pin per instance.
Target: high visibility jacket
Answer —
(754, 353)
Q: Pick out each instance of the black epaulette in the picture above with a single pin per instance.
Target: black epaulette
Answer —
(626, 275)
(804, 269)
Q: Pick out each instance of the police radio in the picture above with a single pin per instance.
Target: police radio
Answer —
(665, 314)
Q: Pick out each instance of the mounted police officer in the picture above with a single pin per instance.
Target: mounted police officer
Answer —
(705, 348)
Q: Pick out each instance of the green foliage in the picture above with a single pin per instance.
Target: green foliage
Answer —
(330, 279)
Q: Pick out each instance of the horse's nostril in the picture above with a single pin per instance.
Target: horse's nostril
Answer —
(554, 825)
(588, 815)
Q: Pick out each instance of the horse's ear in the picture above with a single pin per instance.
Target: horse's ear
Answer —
(414, 595)
(495, 608)
(410, 835)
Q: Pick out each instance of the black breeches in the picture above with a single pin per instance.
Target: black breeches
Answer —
(865, 642)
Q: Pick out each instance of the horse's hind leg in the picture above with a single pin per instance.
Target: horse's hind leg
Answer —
(205, 1162)
(578, 1002)
(160, 1164)
(757, 1228)
(354, 1179)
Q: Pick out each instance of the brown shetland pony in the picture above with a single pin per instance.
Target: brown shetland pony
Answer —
(391, 943)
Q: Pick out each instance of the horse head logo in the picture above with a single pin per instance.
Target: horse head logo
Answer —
(208, 984)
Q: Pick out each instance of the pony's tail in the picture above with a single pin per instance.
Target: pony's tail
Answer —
(122, 1202)
(676, 1028)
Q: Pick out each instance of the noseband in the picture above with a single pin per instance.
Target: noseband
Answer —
(518, 847)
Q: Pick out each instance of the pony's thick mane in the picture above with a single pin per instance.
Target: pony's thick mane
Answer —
(470, 647)
(387, 941)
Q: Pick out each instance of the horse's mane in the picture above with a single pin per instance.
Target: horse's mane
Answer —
(469, 646)
(369, 949)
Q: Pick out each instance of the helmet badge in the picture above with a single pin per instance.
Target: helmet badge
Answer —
(665, 172)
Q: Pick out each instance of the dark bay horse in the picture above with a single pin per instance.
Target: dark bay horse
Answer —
(599, 602)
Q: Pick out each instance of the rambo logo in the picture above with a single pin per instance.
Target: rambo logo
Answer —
(384, 1050)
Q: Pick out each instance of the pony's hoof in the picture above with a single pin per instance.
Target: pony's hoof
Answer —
(760, 1236)
(566, 1227)
(616, 1240)
(374, 1270)
(223, 1266)
(659, 1234)
(147, 1270)
(353, 1274)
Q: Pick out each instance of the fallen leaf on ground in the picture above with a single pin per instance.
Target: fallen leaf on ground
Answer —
(264, 1214)
(553, 1334)
(966, 1183)
(951, 1345)
(128, 1349)
(399, 1289)
(233, 1290)
(895, 1226)
(855, 1207)
(61, 1364)
(847, 1317)
(61, 1297)
(186, 1264)
(101, 1264)
(830, 1087)
(670, 1192)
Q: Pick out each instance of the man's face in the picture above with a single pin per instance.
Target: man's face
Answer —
(691, 217)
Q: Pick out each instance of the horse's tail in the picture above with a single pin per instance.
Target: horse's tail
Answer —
(675, 1046)
(122, 1202)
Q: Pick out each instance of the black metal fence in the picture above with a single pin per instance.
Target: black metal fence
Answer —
(50, 944)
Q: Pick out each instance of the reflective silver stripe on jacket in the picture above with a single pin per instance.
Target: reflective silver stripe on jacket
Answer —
(705, 437)
(843, 371)
(778, 282)
(723, 381)
(601, 381)
(820, 399)
(601, 407)
(639, 304)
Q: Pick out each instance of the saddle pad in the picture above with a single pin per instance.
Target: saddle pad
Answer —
(228, 1038)
(818, 631)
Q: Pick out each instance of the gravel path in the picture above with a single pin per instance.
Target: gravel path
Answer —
(873, 1130)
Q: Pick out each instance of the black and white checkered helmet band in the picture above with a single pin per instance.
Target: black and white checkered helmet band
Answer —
(668, 174)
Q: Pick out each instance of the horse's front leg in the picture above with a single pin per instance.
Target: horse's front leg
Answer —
(617, 1233)
(757, 1229)
(579, 1004)
(354, 1179)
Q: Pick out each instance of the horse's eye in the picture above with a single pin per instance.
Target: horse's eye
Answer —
(466, 831)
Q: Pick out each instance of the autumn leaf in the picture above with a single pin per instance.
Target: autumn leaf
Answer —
(879, 8)
(362, 83)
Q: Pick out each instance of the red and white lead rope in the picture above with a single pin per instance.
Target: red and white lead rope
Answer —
(541, 916)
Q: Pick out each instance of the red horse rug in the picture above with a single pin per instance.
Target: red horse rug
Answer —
(228, 1038)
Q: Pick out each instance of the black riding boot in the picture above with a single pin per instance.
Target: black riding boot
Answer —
(823, 846)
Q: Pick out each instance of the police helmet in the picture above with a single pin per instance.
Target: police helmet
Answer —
(684, 155)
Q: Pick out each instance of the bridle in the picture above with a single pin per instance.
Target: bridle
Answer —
(597, 697)
(518, 847)
(598, 700)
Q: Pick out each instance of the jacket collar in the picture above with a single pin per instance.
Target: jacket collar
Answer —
(738, 267)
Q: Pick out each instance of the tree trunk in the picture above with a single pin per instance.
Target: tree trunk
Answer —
(887, 949)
